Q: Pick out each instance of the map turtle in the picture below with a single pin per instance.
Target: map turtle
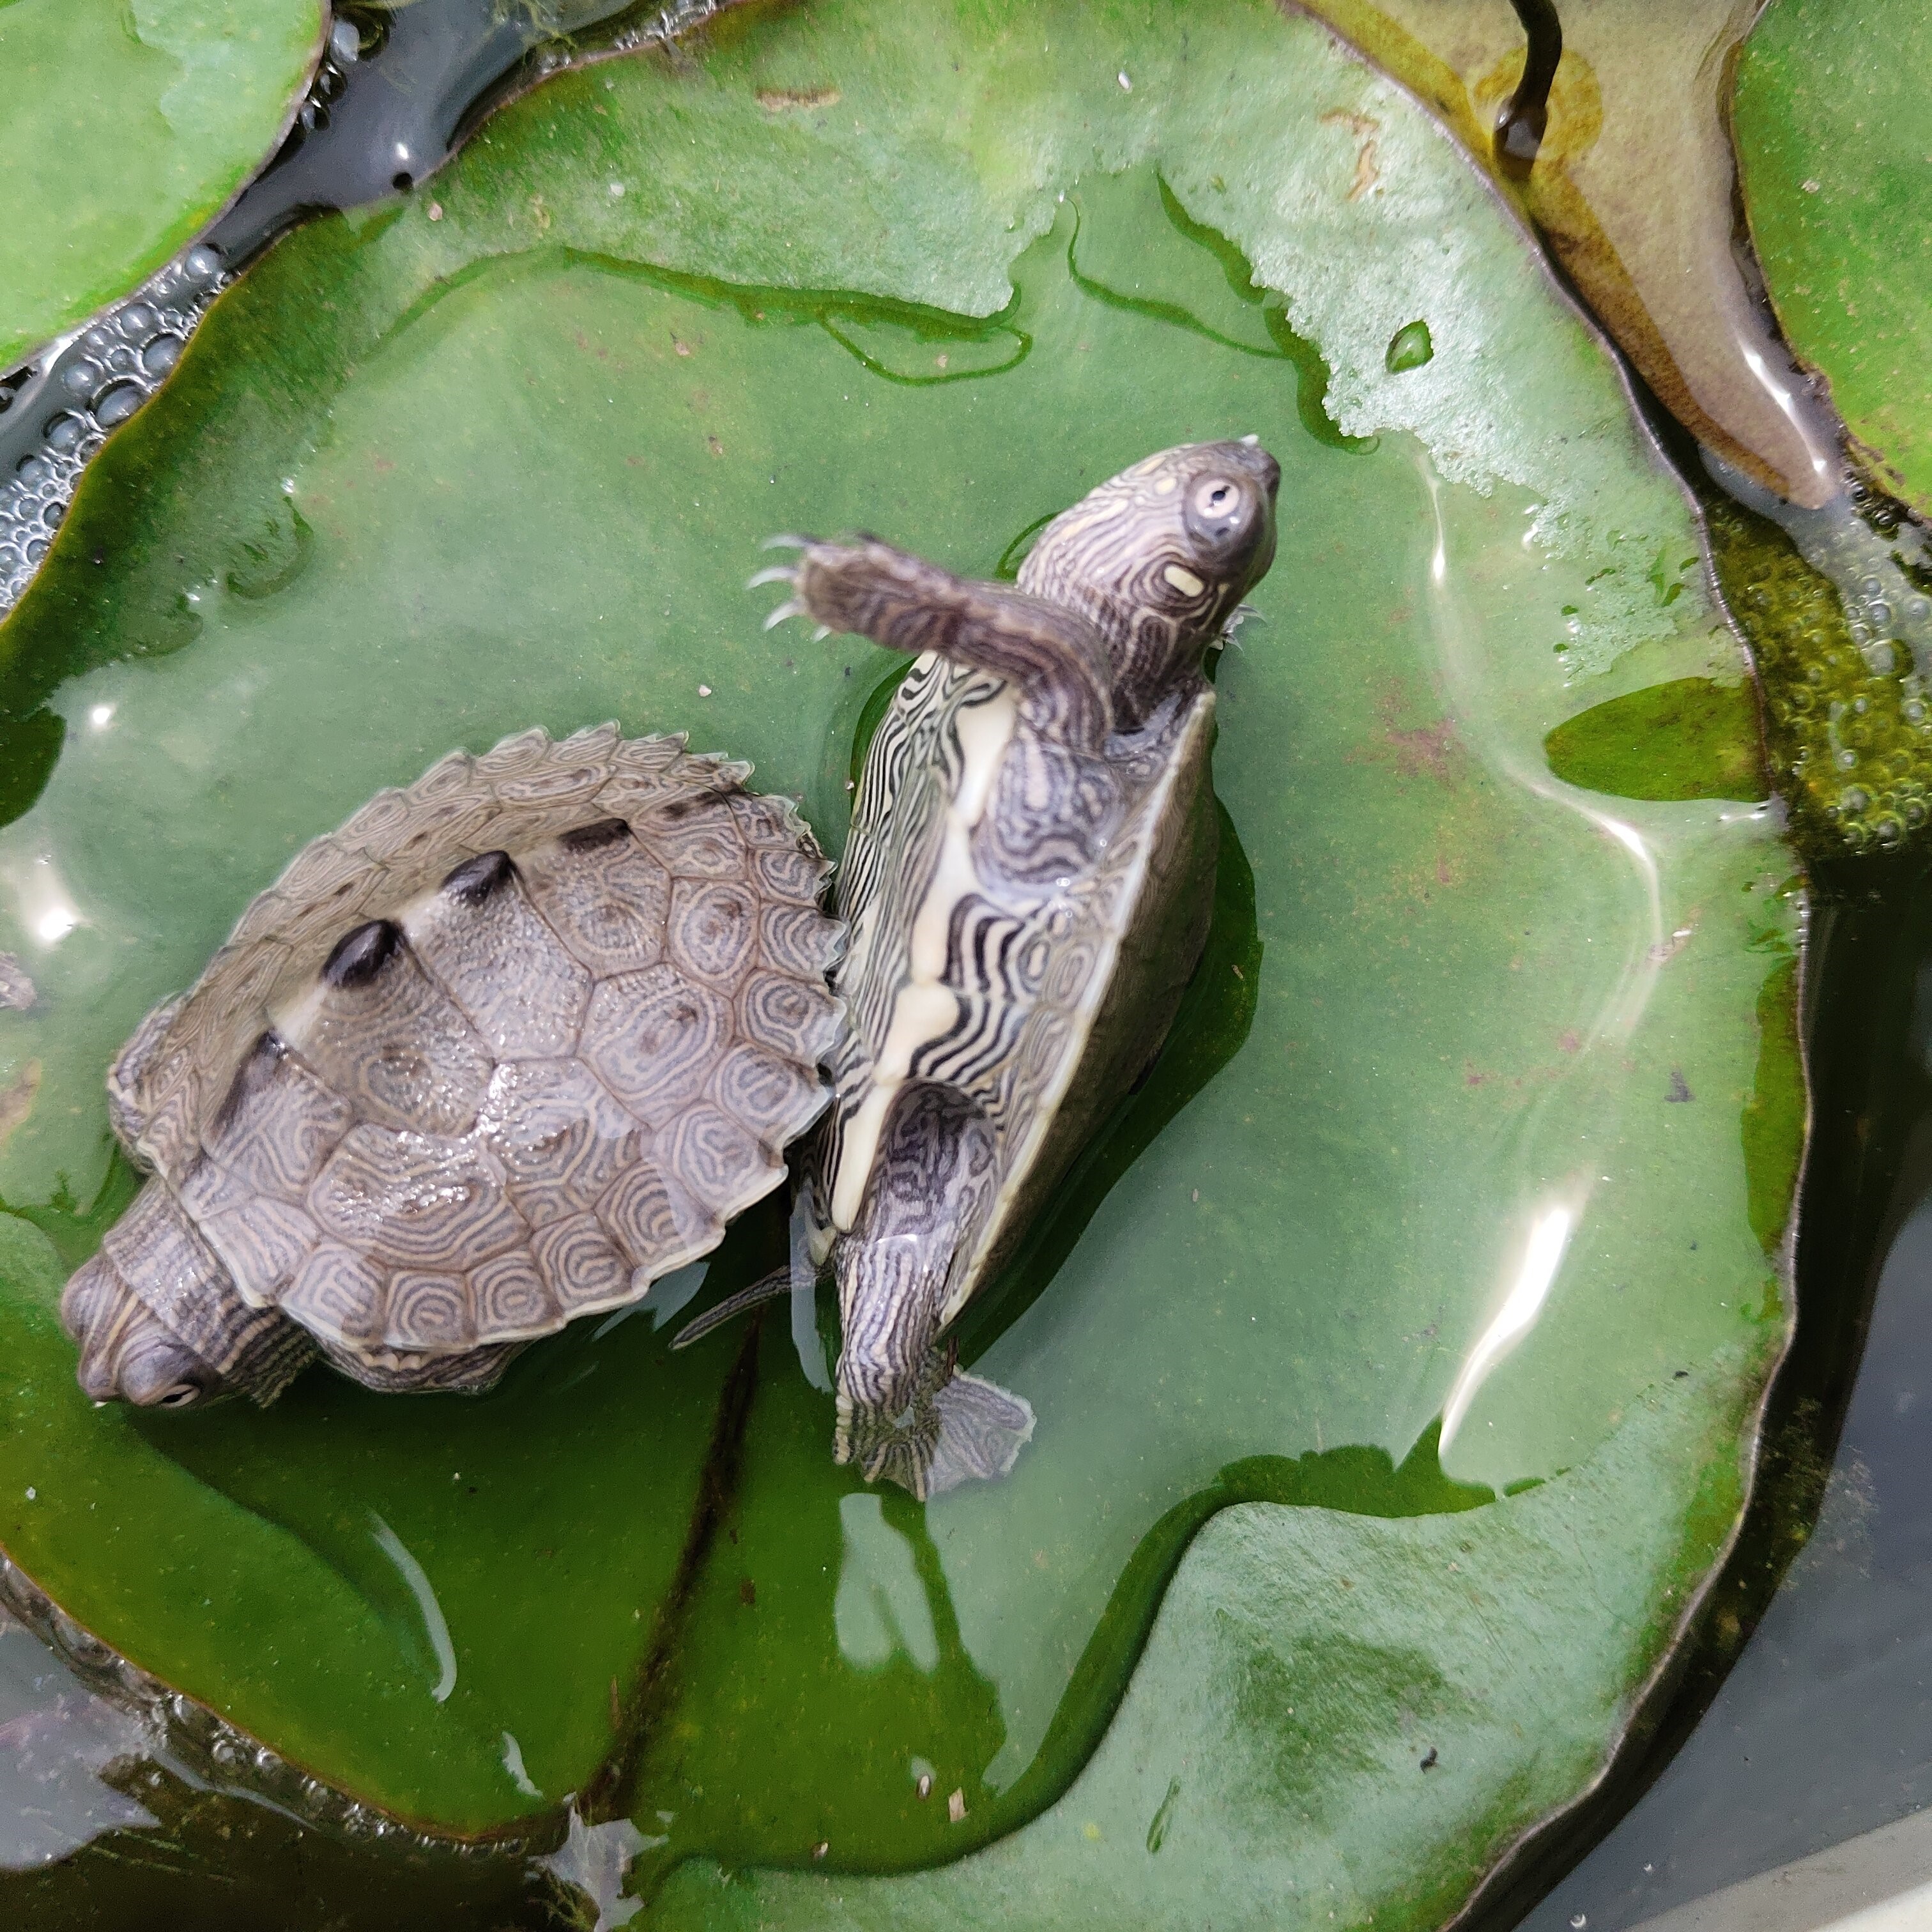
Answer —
(507, 1048)
(1028, 887)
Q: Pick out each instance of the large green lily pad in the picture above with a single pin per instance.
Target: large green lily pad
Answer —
(1833, 121)
(123, 130)
(1477, 1133)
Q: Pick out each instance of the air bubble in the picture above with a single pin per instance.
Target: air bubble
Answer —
(36, 550)
(116, 404)
(98, 339)
(136, 319)
(1854, 801)
(203, 261)
(1880, 613)
(33, 471)
(51, 515)
(161, 355)
(1913, 711)
(79, 378)
(345, 43)
(1872, 585)
(63, 433)
(1847, 760)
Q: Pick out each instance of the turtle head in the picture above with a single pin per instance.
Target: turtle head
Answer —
(1159, 557)
(127, 1353)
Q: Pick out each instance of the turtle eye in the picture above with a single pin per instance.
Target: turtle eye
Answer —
(1218, 508)
(180, 1396)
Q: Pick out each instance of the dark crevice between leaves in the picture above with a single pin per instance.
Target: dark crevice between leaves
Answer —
(611, 1790)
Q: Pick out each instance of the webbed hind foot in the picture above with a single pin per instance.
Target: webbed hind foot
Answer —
(958, 1428)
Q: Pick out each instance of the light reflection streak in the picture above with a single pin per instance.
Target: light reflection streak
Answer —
(1548, 1237)
(397, 1551)
(46, 909)
(1554, 1217)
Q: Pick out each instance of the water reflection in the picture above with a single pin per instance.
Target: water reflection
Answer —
(56, 1738)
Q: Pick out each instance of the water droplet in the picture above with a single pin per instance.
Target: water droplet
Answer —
(161, 355)
(1409, 348)
(117, 402)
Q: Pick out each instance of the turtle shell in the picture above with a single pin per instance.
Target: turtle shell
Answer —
(507, 1047)
(1035, 1004)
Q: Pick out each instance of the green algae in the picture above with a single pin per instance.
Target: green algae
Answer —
(1848, 725)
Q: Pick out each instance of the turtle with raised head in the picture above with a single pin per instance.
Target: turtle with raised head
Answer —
(504, 1049)
(1028, 885)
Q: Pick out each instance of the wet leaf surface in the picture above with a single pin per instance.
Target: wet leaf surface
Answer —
(1447, 1170)
(1637, 100)
(123, 130)
(1833, 126)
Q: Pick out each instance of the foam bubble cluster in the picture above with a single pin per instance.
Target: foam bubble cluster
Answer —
(82, 388)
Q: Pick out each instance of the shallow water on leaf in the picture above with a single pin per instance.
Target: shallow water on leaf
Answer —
(1430, 1156)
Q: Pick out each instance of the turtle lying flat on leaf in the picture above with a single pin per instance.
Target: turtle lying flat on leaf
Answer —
(1028, 884)
(506, 1048)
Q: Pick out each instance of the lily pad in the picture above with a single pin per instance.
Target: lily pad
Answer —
(1834, 123)
(1638, 96)
(1477, 1131)
(124, 129)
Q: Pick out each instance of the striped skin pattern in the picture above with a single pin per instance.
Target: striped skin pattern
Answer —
(498, 1053)
(1028, 885)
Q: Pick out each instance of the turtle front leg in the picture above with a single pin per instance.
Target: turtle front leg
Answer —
(1057, 660)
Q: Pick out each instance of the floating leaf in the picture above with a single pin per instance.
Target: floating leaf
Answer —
(1444, 1175)
(123, 131)
(1638, 98)
(1691, 738)
(1834, 124)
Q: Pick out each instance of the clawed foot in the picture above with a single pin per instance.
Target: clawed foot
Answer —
(788, 574)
